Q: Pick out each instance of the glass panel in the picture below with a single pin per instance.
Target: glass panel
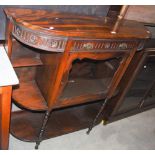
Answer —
(139, 87)
(89, 77)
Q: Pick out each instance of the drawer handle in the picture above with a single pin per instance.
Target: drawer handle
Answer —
(54, 44)
(123, 46)
(88, 46)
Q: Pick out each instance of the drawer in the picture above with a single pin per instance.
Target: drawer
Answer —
(53, 43)
(103, 45)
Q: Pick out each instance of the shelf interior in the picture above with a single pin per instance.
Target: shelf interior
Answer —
(29, 96)
(23, 56)
(86, 87)
(79, 87)
(84, 90)
(25, 61)
(61, 121)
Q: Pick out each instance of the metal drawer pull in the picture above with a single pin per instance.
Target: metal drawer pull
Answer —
(88, 46)
(123, 46)
(54, 44)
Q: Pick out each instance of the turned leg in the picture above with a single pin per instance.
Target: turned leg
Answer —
(97, 116)
(47, 114)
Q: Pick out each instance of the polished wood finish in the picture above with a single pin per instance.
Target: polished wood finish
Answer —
(25, 58)
(118, 107)
(5, 111)
(62, 121)
(49, 44)
(26, 31)
(73, 25)
(33, 100)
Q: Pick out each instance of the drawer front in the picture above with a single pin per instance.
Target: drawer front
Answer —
(103, 45)
(53, 43)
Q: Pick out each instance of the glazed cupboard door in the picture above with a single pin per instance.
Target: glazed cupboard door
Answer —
(145, 80)
(134, 96)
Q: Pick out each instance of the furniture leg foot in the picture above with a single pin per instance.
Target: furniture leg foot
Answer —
(97, 116)
(105, 122)
(37, 146)
(88, 131)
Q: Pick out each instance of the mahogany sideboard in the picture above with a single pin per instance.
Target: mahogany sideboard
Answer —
(69, 67)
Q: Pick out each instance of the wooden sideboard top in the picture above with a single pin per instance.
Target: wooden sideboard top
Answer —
(73, 25)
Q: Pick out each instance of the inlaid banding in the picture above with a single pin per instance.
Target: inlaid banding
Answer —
(39, 40)
(104, 45)
(57, 44)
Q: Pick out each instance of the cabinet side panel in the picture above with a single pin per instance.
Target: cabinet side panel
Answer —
(45, 74)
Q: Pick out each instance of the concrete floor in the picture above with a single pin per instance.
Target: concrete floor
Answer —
(136, 132)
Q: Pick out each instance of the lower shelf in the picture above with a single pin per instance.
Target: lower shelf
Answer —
(82, 90)
(26, 61)
(29, 96)
(26, 125)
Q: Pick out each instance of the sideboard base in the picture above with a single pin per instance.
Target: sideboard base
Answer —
(26, 125)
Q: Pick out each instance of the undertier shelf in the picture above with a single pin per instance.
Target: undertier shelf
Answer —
(24, 56)
(80, 91)
(28, 95)
(25, 62)
(62, 121)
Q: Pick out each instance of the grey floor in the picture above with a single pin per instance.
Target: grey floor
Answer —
(136, 132)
